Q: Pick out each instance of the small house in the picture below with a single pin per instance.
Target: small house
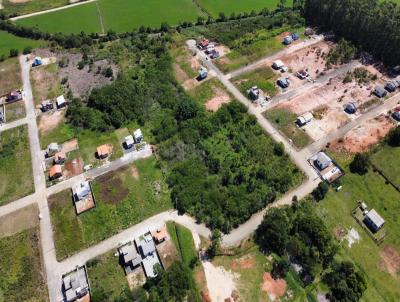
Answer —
(52, 149)
(59, 158)
(128, 141)
(380, 92)
(214, 54)
(55, 172)
(60, 102)
(254, 93)
(322, 161)
(37, 62)
(138, 136)
(75, 285)
(350, 108)
(304, 119)
(204, 43)
(129, 257)
(2, 114)
(47, 105)
(210, 48)
(283, 82)
(374, 221)
(203, 73)
(302, 74)
(150, 263)
(278, 64)
(14, 96)
(160, 234)
(309, 32)
(391, 86)
(295, 36)
(287, 40)
(103, 151)
(396, 114)
(81, 191)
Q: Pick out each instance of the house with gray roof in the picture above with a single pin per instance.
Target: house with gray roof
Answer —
(150, 264)
(322, 161)
(81, 191)
(374, 221)
(75, 284)
(129, 257)
(380, 92)
(146, 244)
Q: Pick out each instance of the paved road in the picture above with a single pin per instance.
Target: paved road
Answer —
(51, 10)
(17, 123)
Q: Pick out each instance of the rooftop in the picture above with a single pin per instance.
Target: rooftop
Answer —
(375, 218)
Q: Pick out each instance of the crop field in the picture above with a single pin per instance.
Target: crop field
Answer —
(118, 15)
(8, 41)
(380, 263)
(123, 198)
(214, 7)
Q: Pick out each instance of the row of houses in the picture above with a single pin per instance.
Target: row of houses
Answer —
(48, 105)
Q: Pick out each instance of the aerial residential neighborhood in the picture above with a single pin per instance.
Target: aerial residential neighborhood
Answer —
(200, 151)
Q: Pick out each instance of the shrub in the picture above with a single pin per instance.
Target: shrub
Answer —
(319, 192)
(14, 52)
(360, 164)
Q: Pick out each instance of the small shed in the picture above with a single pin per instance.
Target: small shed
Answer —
(322, 161)
(81, 191)
(138, 135)
(278, 64)
(287, 40)
(37, 62)
(302, 74)
(47, 105)
(254, 93)
(396, 115)
(380, 92)
(350, 108)
(52, 149)
(304, 119)
(128, 141)
(103, 151)
(391, 86)
(55, 172)
(283, 82)
(59, 158)
(374, 221)
(214, 54)
(203, 73)
(295, 36)
(60, 102)
(309, 32)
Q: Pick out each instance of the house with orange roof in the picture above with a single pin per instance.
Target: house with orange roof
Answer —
(160, 234)
(55, 172)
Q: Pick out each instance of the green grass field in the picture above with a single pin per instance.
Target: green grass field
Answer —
(284, 121)
(214, 7)
(183, 240)
(21, 275)
(386, 159)
(9, 41)
(10, 76)
(264, 78)
(123, 198)
(27, 7)
(335, 211)
(16, 178)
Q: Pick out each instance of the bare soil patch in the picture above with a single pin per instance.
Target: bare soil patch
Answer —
(73, 167)
(274, 288)
(222, 49)
(220, 283)
(136, 278)
(361, 138)
(339, 233)
(180, 75)
(220, 97)
(134, 172)
(15, 222)
(112, 189)
(245, 262)
(19, 1)
(50, 121)
(168, 253)
(70, 145)
(391, 258)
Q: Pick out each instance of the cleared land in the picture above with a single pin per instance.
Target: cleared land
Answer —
(9, 41)
(21, 275)
(387, 159)
(10, 76)
(15, 111)
(123, 198)
(45, 83)
(214, 7)
(16, 179)
(379, 263)
(263, 78)
(23, 7)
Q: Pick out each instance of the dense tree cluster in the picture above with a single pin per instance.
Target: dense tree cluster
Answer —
(370, 24)
(345, 283)
(360, 164)
(298, 233)
(223, 168)
(393, 137)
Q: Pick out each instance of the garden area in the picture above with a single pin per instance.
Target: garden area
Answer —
(123, 198)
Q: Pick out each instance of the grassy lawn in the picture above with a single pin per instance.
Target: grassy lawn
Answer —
(61, 133)
(264, 78)
(15, 111)
(10, 75)
(45, 83)
(262, 43)
(27, 7)
(214, 7)
(65, 20)
(107, 278)
(124, 198)
(16, 178)
(335, 211)
(21, 276)
(207, 90)
(386, 159)
(284, 121)
(9, 41)
(182, 238)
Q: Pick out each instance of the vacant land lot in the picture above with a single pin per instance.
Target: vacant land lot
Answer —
(284, 121)
(183, 240)
(21, 275)
(9, 41)
(15, 111)
(45, 83)
(10, 76)
(16, 179)
(380, 263)
(386, 159)
(23, 7)
(214, 7)
(118, 15)
(186, 66)
(123, 198)
(263, 78)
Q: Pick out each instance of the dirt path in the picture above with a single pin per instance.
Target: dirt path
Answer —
(100, 16)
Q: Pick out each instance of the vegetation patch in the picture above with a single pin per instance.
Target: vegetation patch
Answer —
(385, 159)
(16, 178)
(183, 239)
(284, 121)
(21, 275)
(9, 41)
(10, 76)
(17, 8)
(263, 78)
(74, 233)
(112, 189)
(45, 83)
(15, 111)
